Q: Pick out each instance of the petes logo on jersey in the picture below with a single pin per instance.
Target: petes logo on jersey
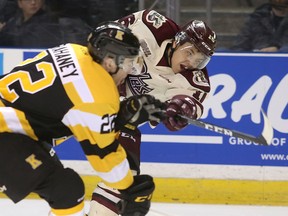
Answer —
(156, 19)
(199, 78)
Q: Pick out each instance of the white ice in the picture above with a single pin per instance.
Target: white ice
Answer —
(30, 207)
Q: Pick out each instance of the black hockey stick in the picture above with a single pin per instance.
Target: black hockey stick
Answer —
(265, 138)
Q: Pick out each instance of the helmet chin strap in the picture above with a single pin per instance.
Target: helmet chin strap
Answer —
(169, 52)
(116, 71)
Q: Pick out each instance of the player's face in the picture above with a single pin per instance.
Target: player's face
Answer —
(133, 65)
(187, 57)
(129, 66)
(119, 77)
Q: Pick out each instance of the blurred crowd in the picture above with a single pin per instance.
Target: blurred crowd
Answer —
(265, 30)
(48, 23)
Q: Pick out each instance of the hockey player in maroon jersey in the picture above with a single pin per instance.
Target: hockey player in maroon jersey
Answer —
(174, 71)
(66, 91)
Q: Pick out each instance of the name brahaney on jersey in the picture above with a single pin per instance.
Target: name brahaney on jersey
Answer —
(70, 71)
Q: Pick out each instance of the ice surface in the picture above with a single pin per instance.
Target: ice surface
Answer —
(30, 207)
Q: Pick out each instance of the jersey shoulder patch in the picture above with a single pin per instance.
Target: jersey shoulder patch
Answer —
(154, 18)
(160, 26)
(198, 79)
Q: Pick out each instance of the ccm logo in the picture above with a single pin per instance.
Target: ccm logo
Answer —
(143, 198)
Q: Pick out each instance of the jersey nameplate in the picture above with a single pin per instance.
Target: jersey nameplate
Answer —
(64, 63)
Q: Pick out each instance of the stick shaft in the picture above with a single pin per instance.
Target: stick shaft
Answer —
(265, 138)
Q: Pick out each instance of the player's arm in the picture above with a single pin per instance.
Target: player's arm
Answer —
(97, 137)
(93, 125)
(131, 19)
(184, 105)
(157, 23)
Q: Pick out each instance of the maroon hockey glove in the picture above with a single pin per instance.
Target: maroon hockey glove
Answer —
(136, 199)
(179, 105)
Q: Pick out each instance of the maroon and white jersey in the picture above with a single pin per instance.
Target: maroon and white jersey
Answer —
(155, 32)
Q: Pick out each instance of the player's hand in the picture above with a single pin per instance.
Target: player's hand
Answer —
(136, 199)
(179, 105)
(137, 110)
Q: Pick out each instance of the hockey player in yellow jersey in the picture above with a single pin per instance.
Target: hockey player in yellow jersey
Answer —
(65, 91)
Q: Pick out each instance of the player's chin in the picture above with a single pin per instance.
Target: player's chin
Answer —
(180, 68)
(176, 69)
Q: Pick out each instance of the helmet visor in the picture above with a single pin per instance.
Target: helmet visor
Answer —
(132, 65)
(196, 59)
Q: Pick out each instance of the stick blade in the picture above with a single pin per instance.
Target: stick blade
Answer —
(268, 132)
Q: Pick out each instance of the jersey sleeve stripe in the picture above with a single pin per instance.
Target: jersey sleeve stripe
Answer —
(83, 133)
(110, 170)
(1, 103)
(3, 125)
(78, 117)
(95, 149)
(26, 126)
(72, 93)
(81, 87)
(123, 184)
(88, 126)
(119, 176)
(110, 161)
(12, 120)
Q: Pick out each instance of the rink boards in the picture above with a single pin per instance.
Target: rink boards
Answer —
(199, 166)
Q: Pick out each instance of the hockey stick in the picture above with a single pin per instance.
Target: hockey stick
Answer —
(265, 138)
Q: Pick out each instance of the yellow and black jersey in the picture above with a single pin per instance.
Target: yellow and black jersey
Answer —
(62, 92)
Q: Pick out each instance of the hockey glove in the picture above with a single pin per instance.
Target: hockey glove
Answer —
(136, 199)
(179, 105)
(137, 110)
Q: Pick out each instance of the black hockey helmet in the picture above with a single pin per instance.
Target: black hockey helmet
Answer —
(112, 39)
(198, 33)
